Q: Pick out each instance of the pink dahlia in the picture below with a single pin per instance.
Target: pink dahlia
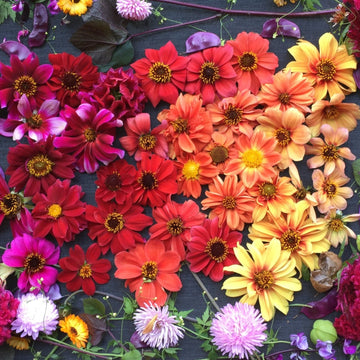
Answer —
(89, 137)
(133, 9)
(35, 256)
(8, 307)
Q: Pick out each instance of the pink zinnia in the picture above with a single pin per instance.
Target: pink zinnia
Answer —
(134, 9)
(89, 137)
(34, 255)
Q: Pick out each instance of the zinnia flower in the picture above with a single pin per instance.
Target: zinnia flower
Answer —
(35, 256)
(329, 70)
(210, 74)
(76, 329)
(89, 137)
(35, 314)
(59, 212)
(149, 270)
(71, 7)
(265, 276)
(162, 73)
(156, 327)
(82, 270)
(238, 330)
(134, 9)
(211, 248)
(8, 309)
(253, 64)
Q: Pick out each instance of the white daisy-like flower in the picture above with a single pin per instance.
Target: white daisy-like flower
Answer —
(134, 9)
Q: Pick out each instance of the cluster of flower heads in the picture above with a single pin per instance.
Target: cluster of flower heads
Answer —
(232, 128)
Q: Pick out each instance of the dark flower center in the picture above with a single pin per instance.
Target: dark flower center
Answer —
(268, 190)
(149, 270)
(55, 211)
(217, 249)
(114, 222)
(229, 202)
(160, 73)
(284, 98)
(330, 189)
(219, 154)
(282, 136)
(90, 135)
(326, 70)
(73, 331)
(329, 152)
(180, 125)
(113, 181)
(71, 81)
(35, 121)
(115, 92)
(330, 112)
(85, 271)
(25, 85)
(147, 142)
(39, 165)
(11, 204)
(300, 194)
(336, 225)
(233, 115)
(290, 240)
(148, 180)
(175, 226)
(248, 61)
(34, 262)
(264, 279)
(209, 73)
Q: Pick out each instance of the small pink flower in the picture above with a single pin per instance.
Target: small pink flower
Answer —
(134, 9)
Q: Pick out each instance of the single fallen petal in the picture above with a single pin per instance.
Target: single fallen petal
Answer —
(284, 27)
(39, 32)
(15, 48)
(323, 307)
(356, 75)
(201, 40)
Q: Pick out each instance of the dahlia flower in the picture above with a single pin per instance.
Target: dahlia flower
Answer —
(134, 9)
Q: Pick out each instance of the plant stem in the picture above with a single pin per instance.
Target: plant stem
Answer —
(96, 292)
(249, 12)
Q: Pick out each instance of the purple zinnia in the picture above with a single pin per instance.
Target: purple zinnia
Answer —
(237, 330)
(8, 307)
(134, 9)
(35, 313)
(156, 327)
(34, 255)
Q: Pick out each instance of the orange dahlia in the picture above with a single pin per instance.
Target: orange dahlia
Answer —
(329, 69)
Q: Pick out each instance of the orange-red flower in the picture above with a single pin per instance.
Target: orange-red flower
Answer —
(229, 201)
(328, 152)
(253, 158)
(288, 90)
(237, 113)
(253, 64)
(149, 270)
(188, 127)
(288, 130)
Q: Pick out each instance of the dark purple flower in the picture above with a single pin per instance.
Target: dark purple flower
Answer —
(325, 349)
(201, 40)
(18, 5)
(349, 349)
(299, 340)
(53, 7)
(274, 27)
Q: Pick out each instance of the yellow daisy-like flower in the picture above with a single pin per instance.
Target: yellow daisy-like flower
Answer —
(74, 7)
(76, 329)
(266, 275)
(297, 233)
(330, 69)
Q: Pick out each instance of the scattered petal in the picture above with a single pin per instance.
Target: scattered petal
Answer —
(274, 27)
(201, 40)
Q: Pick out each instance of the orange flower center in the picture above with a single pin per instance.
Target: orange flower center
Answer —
(290, 240)
(264, 279)
(90, 135)
(284, 98)
(11, 204)
(175, 226)
(54, 211)
(336, 225)
(39, 165)
(329, 189)
(330, 112)
(191, 170)
(34, 121)
(248, 61)
(209, 73)
(217, 249)
(326, 70)
(148, 180)
(147, 142)
(300, 194)
(219, 154)
(329, 152)
(232, 115)
(85, 271)
(282, 136)
(149, 270)
(160, 73)
(268, 190)
(180, 125)
(71, 81)
(114, 222)
(229, 202)
(25, 85)
(252, 158)
(113, 181)
(34, 262)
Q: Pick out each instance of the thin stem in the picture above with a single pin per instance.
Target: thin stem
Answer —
(249, 12)
(272, 355)
(96, 292)
(198, 336)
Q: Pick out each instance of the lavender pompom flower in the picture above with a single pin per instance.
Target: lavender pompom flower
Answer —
(134, 9)
(238, 330)
(156, 327)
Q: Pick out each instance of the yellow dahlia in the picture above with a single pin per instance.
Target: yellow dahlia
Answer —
(74, 7)
(266, 274)
(76, 329)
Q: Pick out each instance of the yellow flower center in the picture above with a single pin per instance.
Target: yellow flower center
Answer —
(114, 222)
(35, 121)
(329, 189)
(90, 135)
(148, 180)
(209, 73)
(248, 61)
(217, 249)
(336, 225)
(39, 165)
(34, 262)
(11, 204)
(25, 85)
(113, 181)
(326, 70)
(263, 279)
(268, 190)
(232, 115)
(160, 73)
(149, 270)
(55, 211)
(180, 125)
(229, 202)
(252, 158)
(330, 112)
(284, 98)
(290, 240)
(191, 170)
(175, 226)
(147, 142)
(329, 152)
(85, 271)
(219, 154)
(282, 136)
(71, 81)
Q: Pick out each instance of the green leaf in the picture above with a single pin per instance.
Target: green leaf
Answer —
(132, 355)
(6, 11)
(129, 306)
(121, 56)
(356, 170)
(93, 306)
